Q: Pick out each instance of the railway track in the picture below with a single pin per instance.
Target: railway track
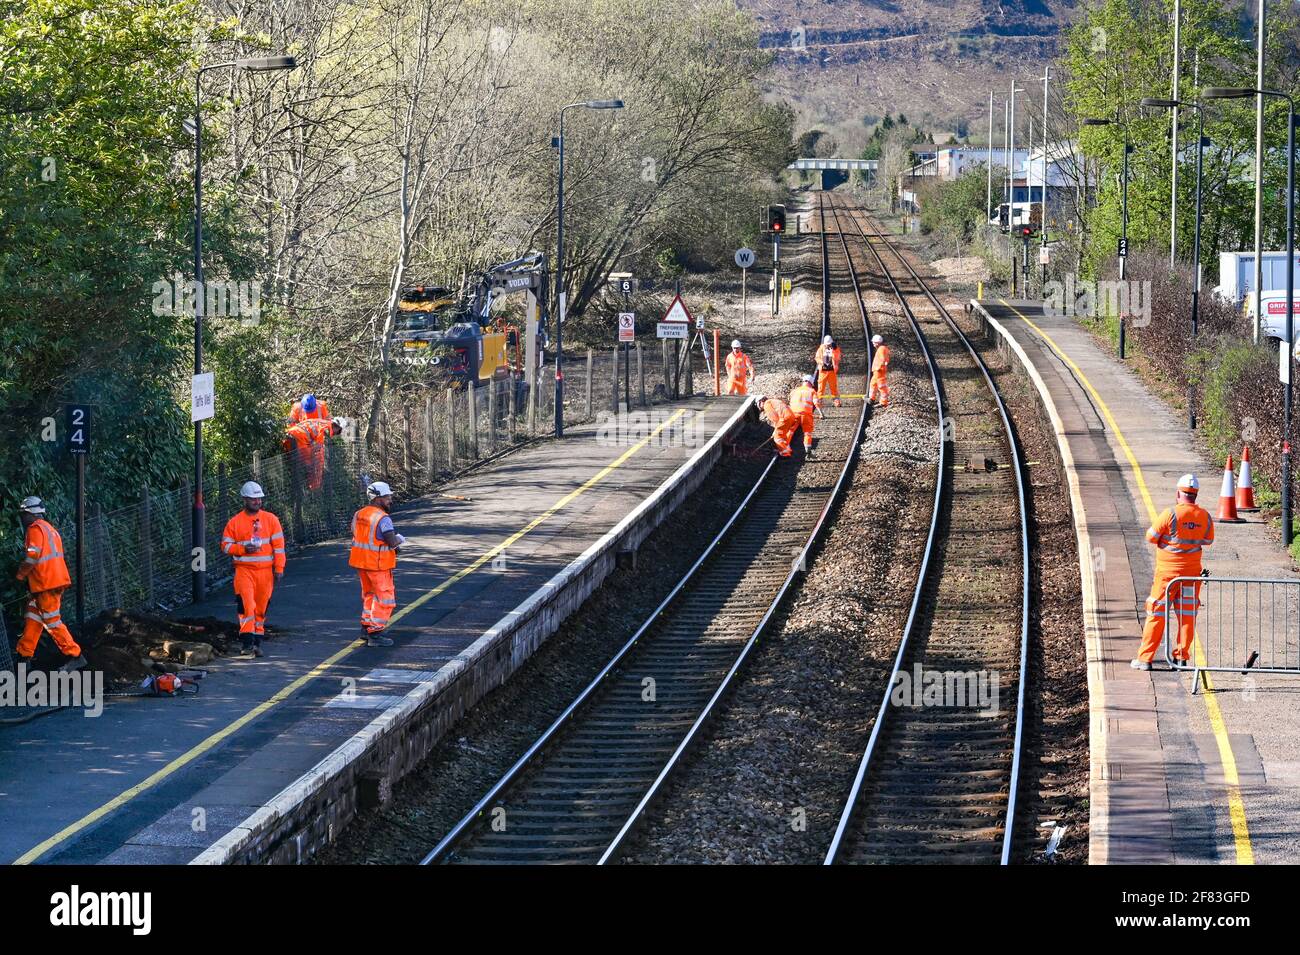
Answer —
(937, 783)
(580, 790)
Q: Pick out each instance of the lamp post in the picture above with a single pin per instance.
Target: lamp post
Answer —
(1123, 189)
(198, 526)
(560, 296)
(1232, 92)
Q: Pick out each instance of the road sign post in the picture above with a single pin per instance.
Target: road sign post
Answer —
(626, 335)
(745, 259)
(77, 436)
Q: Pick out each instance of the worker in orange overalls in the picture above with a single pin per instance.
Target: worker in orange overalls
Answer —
(254, 540)
(879, 372)
(374, 555)
(1179, 535)
(828, 357)
(320, 431)
(778, 414)
(301, 440)
(740, 370)
(46, 573)
(803, 404)
(307, 408)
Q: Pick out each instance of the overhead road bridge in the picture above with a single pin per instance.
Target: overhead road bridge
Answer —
(836, 171)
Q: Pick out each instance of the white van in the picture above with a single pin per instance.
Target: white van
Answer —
(1274, 304)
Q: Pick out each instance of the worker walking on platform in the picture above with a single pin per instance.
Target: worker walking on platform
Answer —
(254, 540)
(804, 403)
(783, 421)
(374, 555)
(1179, 534)
(308, 407)
(879, 372)
(827, 357)
(46, 574)
(740, 370)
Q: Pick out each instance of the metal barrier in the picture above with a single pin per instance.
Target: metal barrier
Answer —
(1245, 625)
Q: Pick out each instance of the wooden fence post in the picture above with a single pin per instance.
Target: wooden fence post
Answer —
(492, 415)
(471, 398)
(451, 429)
(146, 546)
(407, 452)
(428, 436)
(613, 404)
(587, 406)
(514, 408)
(640, 371)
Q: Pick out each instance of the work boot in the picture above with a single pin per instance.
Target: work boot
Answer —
(257, 650)
(378, 640)
(1140, 665)
(248, 650)
(73, 665)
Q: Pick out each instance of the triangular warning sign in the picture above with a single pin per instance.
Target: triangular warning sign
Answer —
(678, 312)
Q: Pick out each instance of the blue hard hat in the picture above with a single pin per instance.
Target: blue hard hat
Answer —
(308, 402)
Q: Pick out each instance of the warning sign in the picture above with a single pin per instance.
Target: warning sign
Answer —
(627, 326)
(678, 312)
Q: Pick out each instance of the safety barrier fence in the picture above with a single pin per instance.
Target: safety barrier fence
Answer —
(1244, 625)
(140, 557)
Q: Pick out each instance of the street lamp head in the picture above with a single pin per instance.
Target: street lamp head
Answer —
(266, 64)
(604, 104)
(1227, 92)
(1159, 103)
(1095, 121)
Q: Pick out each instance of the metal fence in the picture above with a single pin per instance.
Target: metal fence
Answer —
(139, 557)
(1245, 624)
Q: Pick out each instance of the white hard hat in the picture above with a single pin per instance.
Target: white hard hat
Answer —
(877, 340)
(759, 399)
(1189, 483)
(251, 489)
(378, 489)
(735, 343)
(32, 505)
(809, 379)
(828, 340)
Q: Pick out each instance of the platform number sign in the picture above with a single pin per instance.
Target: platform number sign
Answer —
(78, 429)
(1123, 248)
(625, 286)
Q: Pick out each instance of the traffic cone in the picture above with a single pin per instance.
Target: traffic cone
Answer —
(1228, 498)
(1245, 487)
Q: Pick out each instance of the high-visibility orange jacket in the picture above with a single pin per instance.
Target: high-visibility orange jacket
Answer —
(1179, 535)
(880, 361)
(298, 436)
(43, 567)
(777, 413)
(254, 541)
(739, 367)
(296, 413)
(803, 399)
(369, 552)
(319, 430)
(833, 353)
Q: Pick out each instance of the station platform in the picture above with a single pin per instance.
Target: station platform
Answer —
(1176, 777)
(270, 754)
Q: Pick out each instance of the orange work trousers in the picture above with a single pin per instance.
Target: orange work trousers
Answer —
(782, 432)
(879, 384)
(253, 586)
(1187, 599)
(44, 613)
(807, 421)
(378, 599)
(828, 383)
(737, 386)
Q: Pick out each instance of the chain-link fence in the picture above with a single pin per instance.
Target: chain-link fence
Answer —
(141, 556)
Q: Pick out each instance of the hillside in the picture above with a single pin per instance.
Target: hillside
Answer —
(934, 60)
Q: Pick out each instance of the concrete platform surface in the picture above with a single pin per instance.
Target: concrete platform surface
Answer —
(1176, 777)
(160, 780)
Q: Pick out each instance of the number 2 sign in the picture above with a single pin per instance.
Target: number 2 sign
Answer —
(78, 429)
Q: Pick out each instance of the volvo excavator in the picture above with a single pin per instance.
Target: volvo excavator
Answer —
(456, 336)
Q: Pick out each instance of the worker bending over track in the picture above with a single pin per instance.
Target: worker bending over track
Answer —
(374, 555)
(1179, 534)
(879, 372)
(828, 357)
(783, 421)
(254, 540)
(740, 370)
(46, 574)
(804, 403)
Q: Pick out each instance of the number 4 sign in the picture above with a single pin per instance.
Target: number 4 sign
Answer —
(78, 429)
